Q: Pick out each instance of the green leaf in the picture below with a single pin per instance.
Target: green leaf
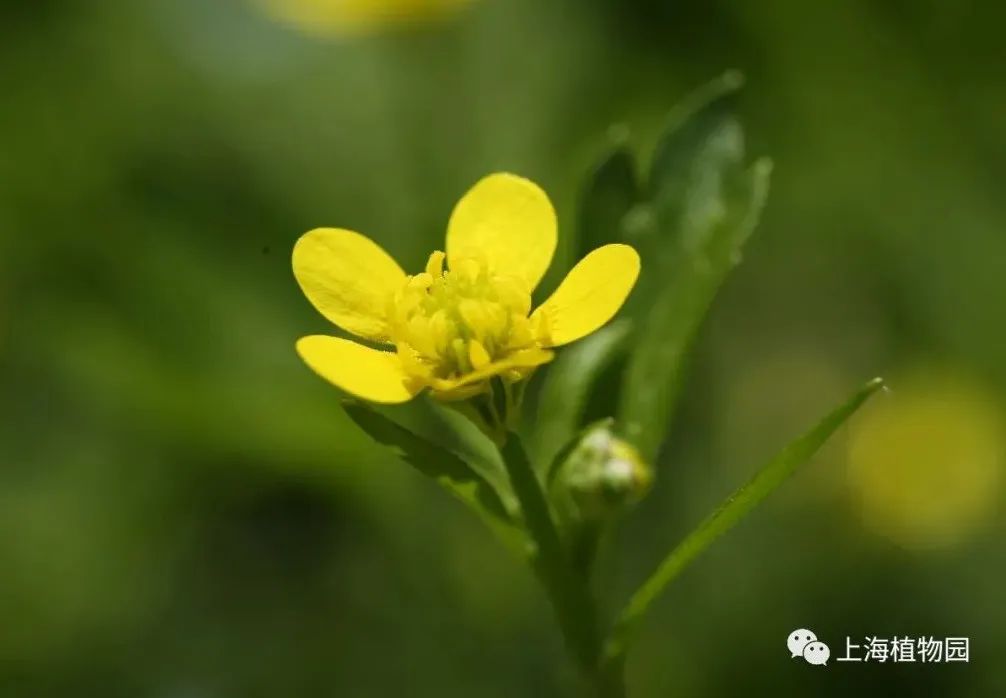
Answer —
(457, 434)
(568, 385)
(611, 190)
(722, 209)
(702, 139)
(443, 466)
(703, 120)
(735, 508)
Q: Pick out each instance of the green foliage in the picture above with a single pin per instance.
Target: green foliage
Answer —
(701, 133)
(567, 590)
(445, 467)
(594, 478)
(689, 219)
(732, 510)
(171, 470)
(717, 220)
(609, 194)
(569, 383)
(705, 203)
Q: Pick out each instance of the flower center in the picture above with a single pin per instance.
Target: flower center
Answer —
(448, 323)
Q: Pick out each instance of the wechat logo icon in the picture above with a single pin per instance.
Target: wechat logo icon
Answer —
(804, 643)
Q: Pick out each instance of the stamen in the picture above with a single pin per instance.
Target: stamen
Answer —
(478, 354)
(435, 264)
(452, 322)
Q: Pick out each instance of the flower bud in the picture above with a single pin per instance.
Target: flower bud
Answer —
(604, 474)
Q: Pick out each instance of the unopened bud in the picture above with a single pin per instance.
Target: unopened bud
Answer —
(604, 473)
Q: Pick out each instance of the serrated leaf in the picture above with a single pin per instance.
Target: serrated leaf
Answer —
(732, 510)
(442, 465)
(720, 214)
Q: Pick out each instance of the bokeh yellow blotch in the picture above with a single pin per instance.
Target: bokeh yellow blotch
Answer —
(926, 461)
(358, 16)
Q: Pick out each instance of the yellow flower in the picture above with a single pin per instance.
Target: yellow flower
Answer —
(358, 16)
(466, 318)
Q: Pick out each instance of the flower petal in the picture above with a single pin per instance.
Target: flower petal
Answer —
(349, 278)
(524, 359)
(589, 296)
(367, 373)
(508, 221)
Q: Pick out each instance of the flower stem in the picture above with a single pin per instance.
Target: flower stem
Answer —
(568, 593)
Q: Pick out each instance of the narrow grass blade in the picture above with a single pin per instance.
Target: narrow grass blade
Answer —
(738, 505)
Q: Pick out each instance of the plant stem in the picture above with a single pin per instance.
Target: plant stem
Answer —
(568, 593)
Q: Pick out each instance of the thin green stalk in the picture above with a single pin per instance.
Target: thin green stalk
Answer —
(568, 594)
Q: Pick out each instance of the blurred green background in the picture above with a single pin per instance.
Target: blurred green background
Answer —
(185, 511)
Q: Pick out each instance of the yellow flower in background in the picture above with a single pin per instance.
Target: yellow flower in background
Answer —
(467, 317)
(926, 463)
(358, 16)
